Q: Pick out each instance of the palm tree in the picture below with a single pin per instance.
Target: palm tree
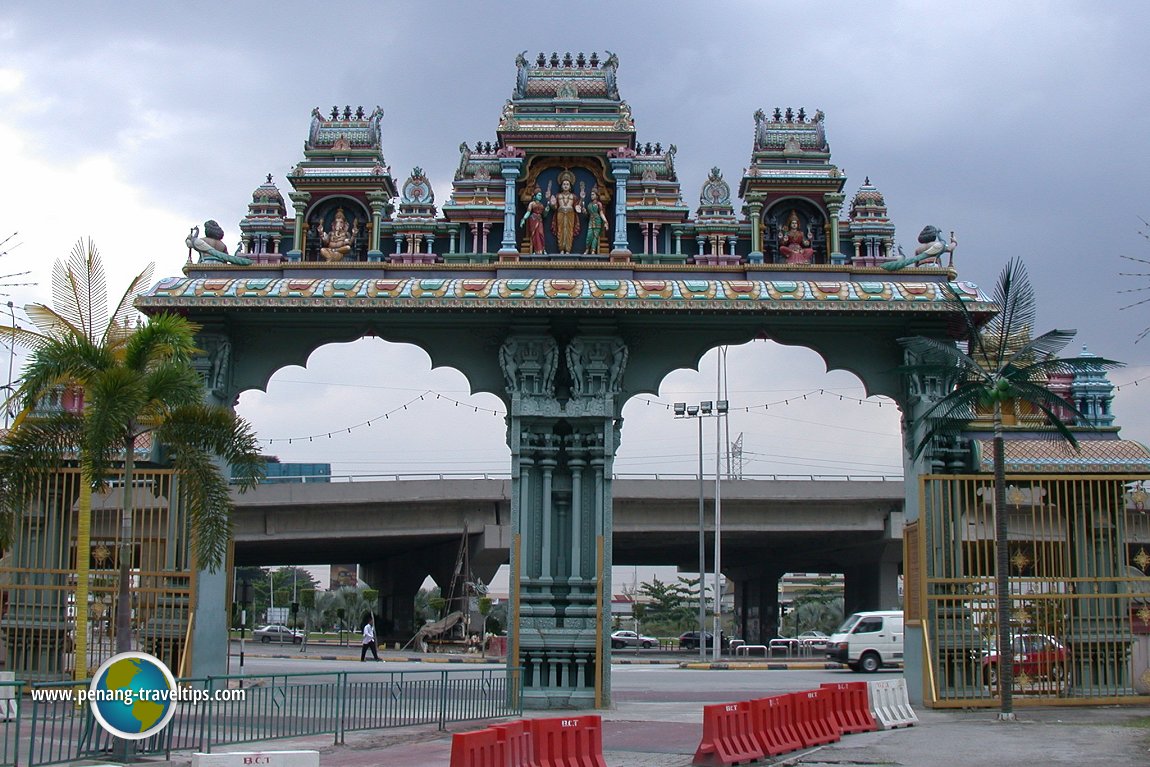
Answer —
(992, 365)
(135, 381)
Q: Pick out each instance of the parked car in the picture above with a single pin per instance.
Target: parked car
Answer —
(689, 640)
(621, 639)
(277, 633)
(814, 640)
(1038, 656)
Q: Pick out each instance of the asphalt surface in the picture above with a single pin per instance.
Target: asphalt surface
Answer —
(651, 733)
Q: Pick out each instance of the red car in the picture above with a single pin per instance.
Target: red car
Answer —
(1037, 656)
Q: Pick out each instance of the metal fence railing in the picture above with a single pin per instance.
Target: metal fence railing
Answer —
(46, 728)
(11, 697)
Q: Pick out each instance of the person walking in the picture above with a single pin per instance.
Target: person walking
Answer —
(368, 641)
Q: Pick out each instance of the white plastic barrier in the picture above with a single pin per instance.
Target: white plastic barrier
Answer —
(890, 703)
(8, 703)
(258, 759)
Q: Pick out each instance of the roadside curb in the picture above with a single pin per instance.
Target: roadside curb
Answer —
(742, 666)
(695, 665)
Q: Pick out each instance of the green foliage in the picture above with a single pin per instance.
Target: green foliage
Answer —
(669, 608)
(816, 608)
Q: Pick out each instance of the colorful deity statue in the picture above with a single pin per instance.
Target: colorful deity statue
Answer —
(337, 243)
(565, 222)
(211, 246)
(532, 221)
(596, 222)
(794, 243)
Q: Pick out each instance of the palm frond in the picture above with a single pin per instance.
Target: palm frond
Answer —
(1065, 366)
(1048, 344)
(164, 337)
(1014, 294)
(947, 416)
(119, 327)
(209, 505)
(938, 358)
(80, 292)
(1050, 403)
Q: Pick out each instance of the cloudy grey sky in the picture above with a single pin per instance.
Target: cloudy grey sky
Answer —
(1022, 126)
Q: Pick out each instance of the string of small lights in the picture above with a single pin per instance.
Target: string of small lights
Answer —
(381, 417)
(426, 395)
(785, 401)
(1135, 382)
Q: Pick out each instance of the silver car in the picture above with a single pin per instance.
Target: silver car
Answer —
(277, 633)
(621, 639)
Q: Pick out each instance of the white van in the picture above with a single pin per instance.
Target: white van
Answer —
(868, 641)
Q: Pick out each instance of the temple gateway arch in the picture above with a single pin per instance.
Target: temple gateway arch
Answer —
(564, 274)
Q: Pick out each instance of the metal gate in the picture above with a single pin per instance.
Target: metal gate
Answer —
(43, 577)
(1079, 556)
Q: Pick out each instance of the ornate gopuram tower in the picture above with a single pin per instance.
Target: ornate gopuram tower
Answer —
(565, 274)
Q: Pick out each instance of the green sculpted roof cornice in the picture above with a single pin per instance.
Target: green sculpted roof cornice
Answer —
(558, 294)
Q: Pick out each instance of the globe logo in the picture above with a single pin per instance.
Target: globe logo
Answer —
(133, 695)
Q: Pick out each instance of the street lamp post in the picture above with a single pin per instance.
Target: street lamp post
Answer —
(707, 409)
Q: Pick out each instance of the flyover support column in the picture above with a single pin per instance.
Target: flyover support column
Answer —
(758, 601)
(397, 580)
(564, 417)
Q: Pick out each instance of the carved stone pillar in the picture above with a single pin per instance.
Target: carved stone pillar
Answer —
(378, 201)
(510, 164)
(299, 201)
(755, 210)
(834, 201)
(621, 169)
(563, 433)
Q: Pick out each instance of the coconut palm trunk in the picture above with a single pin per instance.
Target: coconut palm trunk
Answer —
(124, 598)
(1002, 574)
(83, 546)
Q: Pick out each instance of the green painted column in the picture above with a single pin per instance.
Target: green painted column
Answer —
(378, 201)
(834, 201)
(510, 165)
(755, 212)
(620, 160)
(299, 201)
(566, 398)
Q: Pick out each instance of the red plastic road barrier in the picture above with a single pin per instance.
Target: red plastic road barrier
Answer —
(572, 742)
(481, 748)
(813, 717)
(773, 724)
(851, 707)
(728, 736)
(518, 743)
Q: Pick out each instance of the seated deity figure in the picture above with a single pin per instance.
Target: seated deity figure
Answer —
(565, 222)
(794, 243)
(337, 243)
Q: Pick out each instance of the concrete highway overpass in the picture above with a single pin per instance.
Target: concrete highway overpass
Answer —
(401, 531)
